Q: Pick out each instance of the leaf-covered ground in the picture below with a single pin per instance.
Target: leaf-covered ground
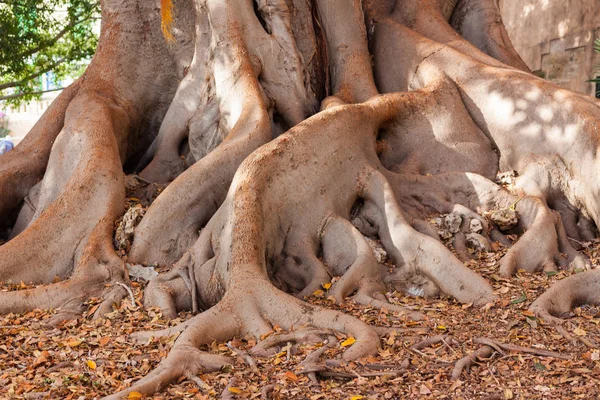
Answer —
(86, 358)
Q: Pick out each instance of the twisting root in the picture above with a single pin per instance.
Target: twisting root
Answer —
(490, 347)
(23, 167)
(267, 347)
(465, 363)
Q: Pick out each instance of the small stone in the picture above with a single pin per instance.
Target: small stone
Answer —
(477, 242)
(475, 226)
(452, 222)
(139, 272)
(506, 178)
(415, 291)
(378, 250)
(504, 219)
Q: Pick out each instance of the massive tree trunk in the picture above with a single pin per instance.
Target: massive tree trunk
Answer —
(288, 132)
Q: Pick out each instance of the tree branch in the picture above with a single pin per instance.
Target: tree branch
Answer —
(30, 77)
(18, 95)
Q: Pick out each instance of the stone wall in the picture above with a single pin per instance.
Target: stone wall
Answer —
(555, 38)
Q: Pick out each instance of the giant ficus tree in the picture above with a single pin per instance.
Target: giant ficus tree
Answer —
(289, 131)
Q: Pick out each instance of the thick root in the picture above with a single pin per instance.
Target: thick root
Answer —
(563, 296)
(68, 220)
(23, 167)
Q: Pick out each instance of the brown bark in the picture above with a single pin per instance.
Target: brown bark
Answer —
(421, 104)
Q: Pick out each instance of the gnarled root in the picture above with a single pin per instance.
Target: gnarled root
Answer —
(241, 81)
(490, 347)
(243, 252)
(265, 306)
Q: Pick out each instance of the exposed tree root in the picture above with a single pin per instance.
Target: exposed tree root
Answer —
(563, 296)
(23, 167)
(256, 219)
(467, 362)
(491, 347)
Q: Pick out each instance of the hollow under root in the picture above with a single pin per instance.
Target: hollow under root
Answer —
(346, 248)
(544, 241)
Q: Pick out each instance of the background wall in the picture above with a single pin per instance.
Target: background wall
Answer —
(555, 38)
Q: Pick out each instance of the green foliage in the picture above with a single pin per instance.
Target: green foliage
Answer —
(42, 36)
(3, 125)
(597, 68)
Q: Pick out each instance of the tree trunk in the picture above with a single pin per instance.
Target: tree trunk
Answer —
(290, 134)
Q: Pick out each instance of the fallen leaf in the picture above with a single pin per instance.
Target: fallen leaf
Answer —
(348, 342)
(519, 299)
(104, 340)
(91, 364)
(579, 332)
(424, 390)
(291, 375)
(235, 390)
(135, 395)
(327, 285)
(456, 385)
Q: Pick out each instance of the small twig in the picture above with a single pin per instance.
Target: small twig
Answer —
(132, 297)
(412, 350)
(448, 346)
(588, 342)
(386, 330)
(60, 365)
(378, 367)
(563, 332)
(430, 341)
(139, 178)
(197, 380)
(243, 355)
(345, 375)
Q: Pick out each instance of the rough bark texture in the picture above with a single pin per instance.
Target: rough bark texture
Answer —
(292, 134)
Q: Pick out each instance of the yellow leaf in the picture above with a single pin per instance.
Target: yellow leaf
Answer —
(318, 292)
(441, 327)
(91, 364)
(348, 342)
(579, 332)
(73, 343)
(327, 285)
(135, 395)
(235, 390)
(356, 397)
